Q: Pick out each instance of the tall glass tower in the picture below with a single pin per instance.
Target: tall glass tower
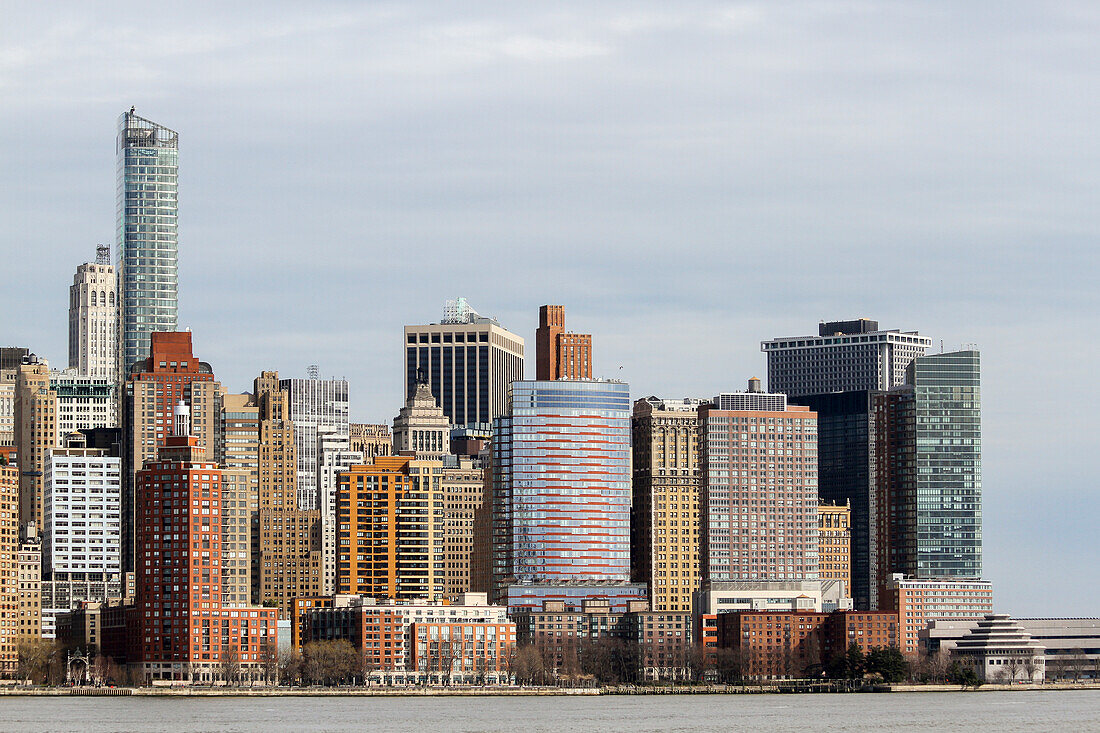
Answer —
(148, 168)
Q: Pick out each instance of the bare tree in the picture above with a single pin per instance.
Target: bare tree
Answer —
(229, 666)
(1014, 666)
(269, 661)
(291, 664)
(1030, 663)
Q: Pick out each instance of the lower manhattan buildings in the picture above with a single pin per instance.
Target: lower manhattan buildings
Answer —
(561, 495)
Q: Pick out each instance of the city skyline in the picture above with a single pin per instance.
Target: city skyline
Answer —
(1005, 268)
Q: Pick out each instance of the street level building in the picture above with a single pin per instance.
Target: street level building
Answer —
(468, 361)
(665, 508)
(558, 353)
(93, 319)
(998, 650)
(148, 280)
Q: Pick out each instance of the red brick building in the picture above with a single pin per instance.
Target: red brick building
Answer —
(558, 354)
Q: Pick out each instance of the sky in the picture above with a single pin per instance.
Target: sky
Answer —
(687, 178)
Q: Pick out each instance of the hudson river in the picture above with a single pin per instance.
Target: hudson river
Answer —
(997, 712)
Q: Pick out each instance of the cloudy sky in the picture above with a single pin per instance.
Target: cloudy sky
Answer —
(686, 178)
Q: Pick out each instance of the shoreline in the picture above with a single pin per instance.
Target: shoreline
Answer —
(507, 692)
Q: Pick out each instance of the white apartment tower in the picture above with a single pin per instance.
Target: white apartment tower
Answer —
(315, 403)
(93, 318)
(82, 536)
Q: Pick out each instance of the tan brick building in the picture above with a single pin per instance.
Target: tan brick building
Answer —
(835, 544)
(463, 495)
(35, 434)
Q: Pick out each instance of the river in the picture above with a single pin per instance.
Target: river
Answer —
(999, 712)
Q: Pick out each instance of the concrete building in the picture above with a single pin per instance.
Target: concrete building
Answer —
(463, 495)
(998, 650)
(9, 570)
(29, 626)
(148, 280)
(287, 550)
(184, 631)
(919, 602)
(391, 537)
(664, 524)
(314, 404)
(7, 409)
(333, 458)
(468, 361)
(835, 543)
(93, 319)
(81, 537)
(415, 640)
(372, 440)
(561, 493)
(421, 428)
(36, 433)
(154, 385)
(83, 403)
(558, 353)
(845, 356)
(758, 515)
(717, 597)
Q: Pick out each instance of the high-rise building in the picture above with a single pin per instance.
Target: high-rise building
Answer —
(237, 453)
(9, 570)
(370, 439)
(835, 543)
(665, 510)
(185, 632)
(928, 470)
(238, 504)
(463, 495)
(919, 602)
(390, 515)
(558, 353)
(30, 585)
(421, 428)
(561, 494)
(81, 536)
(35, 434)
(7, 408)
(83, 402)
(758, 503)
(468, 360)
(314, 403)
(93, 319)
(169, 373)
(289, 538)
(148, 285)
(845, 356)
(333, 458)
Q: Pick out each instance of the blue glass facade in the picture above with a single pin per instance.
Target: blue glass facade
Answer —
(148, 168)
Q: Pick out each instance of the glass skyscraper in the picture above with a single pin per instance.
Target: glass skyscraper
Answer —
(561, 486)
(148, 167)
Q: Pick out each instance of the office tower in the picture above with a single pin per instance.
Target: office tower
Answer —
(561, 494)
(30, 585)
(665, 511)
(333, 458)
(421, 428)
(93, 319)
(83, 402)
(289, 549)
(35, 433)
(170, 372)
(148, 296)
(390, 519)
(185, 631)
(845, 356)
(372, 440)
(314, 403)
(81, 536)
(12, 356)
(467, 359)
(928, 470)
(559, 354)
(835, 543)
(9, 570)
(758, 504)
(463, 495)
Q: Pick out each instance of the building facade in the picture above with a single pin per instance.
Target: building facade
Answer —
(918, 602)
(370, 439)
(35, 434)
(148, 281)
(30, 586)
(468, 360)
(93, 319)
(835, 543)
(561, 486)
(82, 535)
(845, 356)
(463, 495)
(315, 404)
(83, 403)
(559, 354)
(9, 571)
(664, 523)
(421, 428)
(333, 458)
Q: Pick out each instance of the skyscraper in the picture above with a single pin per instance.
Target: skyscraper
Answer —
(844, 356)
(928, 470)
(468, 360)
(758, 507)
(561, 493)
(148, 290)
(93, 318)
(314, 403)
(421, 428)
(559, 354)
